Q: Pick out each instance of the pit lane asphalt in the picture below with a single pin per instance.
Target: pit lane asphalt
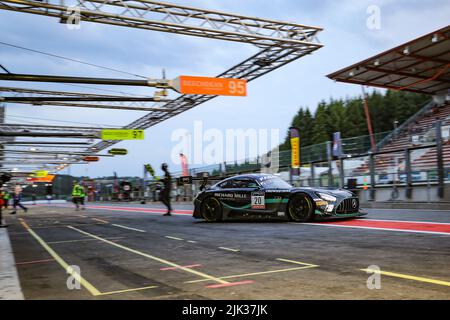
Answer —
(137, 255)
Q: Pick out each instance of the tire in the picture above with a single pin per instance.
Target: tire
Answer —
(300, 208)
(211, 209)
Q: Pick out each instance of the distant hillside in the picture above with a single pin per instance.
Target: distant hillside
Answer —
(347, 116)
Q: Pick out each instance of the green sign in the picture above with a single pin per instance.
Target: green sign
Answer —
(40, 173)
(122, 134)
(118, 152)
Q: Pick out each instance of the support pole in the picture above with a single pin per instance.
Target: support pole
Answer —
(368, 120)
(143, 186)
(313, 174)
(440, 159)
(408, 192)
(372, 176)
(330, 163)
(341, 173)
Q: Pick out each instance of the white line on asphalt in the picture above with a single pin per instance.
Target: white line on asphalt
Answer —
(129, 228)
(174, 238)
(374, 209)
(192, 241)
(229, 249)
(408, 221)
(372, 228)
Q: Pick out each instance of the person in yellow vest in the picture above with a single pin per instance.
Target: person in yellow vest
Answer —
(82, 193)
(78, 195)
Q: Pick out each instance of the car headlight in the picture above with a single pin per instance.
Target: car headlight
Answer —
(327, 197)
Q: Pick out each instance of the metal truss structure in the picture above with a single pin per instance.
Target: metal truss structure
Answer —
(279, 42)
(56, 98)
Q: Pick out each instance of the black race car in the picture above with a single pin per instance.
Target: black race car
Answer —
(266, 196)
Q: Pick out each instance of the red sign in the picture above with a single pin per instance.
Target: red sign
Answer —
(91, 159)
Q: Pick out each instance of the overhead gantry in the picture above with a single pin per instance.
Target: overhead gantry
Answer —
(279, 42)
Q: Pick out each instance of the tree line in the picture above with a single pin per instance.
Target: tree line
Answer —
(347, 116)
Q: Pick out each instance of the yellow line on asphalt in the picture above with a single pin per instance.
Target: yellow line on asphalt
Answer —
(97, 219)
(229, 249)
(127, 290)
(409, 277)
(163, 261)
(81, 240)
(297, 262)
(174, 238)
(63, 264)
(68, 223)
(256, 273)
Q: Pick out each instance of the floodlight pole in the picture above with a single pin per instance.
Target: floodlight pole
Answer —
(368, 120)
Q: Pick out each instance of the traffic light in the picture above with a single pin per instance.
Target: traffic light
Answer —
(118, 151)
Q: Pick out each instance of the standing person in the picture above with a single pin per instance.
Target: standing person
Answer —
(6, 197)
(17, 197)
(82, 194)
(76, 195)
(165, 195)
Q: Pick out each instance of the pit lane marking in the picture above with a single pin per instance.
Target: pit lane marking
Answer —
(129, 228)
(127, 290)
(409, 277)
(207, 277)
(34, 262)
(258, 273)
(174, 238)
(93, 290)
(297, 262)
(229, 249)
(82, 240)
(175, 268)
(407, 221)
(372, 228)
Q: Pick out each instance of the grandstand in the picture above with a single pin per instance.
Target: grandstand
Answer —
(417, 131)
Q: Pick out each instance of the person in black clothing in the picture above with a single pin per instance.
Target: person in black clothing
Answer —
(165, 195)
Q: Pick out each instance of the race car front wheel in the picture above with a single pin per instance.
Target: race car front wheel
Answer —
(211, 209)
(300, 208)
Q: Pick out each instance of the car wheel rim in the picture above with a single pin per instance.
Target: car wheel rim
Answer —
(211, 209)
(299, 208)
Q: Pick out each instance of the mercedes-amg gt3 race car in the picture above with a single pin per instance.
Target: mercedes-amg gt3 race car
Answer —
(266, 196)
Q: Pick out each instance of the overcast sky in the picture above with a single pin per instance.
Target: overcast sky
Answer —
(272, 100)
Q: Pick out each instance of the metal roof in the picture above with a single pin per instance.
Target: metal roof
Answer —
(421, 65)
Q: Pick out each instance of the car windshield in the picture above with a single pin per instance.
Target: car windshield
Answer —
(274, 183)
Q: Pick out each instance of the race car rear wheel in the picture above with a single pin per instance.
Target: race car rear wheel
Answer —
(211, 209)
(300, 208)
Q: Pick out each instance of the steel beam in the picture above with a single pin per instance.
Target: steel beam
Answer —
(50, 143)
(157, 83)
(61, 152)
(95, 106)
(171, 18)
(73, 98)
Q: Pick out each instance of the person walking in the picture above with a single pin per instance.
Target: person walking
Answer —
(76, 195)
(17, 198)
(82, 194)
(165, 195)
